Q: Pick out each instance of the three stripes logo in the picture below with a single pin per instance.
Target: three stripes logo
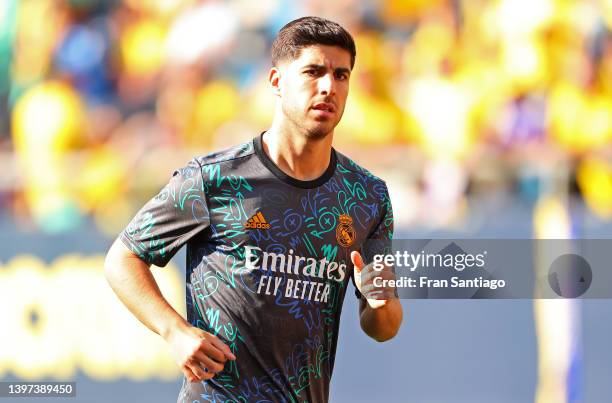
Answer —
(258, 221)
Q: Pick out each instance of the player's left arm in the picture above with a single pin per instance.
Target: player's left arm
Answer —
(380, 317)
(380, 311)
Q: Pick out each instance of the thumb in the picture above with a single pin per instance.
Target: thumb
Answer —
(357, 261)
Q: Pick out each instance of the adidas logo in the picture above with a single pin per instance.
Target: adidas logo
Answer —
(257, 222)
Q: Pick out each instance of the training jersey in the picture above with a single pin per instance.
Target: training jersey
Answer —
(268, 264)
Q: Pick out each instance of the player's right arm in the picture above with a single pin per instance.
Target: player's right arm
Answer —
(153, 236)
(192, 348)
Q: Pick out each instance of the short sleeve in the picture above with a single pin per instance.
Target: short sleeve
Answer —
(167, 221)
(379, 239)
(384, 230)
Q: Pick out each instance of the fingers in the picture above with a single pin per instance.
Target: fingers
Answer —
(224, 348)
(201, 367)
(195, 373)
(199, 354)
(357, 260)
(209, 358)
(207, 362)
(215, 348)
(376, 285)
(198, 371)
(376, 303)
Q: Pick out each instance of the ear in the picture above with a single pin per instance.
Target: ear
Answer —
(274, 78)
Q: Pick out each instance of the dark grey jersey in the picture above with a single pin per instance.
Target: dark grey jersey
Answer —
(268, 264)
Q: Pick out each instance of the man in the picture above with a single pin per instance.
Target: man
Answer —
(273, 230)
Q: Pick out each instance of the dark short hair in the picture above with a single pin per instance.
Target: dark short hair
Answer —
(307, 31)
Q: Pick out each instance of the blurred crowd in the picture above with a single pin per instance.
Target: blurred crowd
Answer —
(101, 100)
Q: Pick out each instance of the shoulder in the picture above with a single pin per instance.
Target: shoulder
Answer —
(234, 153)
(214, 163)
(374, 194)
(348, 166)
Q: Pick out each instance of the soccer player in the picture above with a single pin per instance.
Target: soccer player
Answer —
(273, 229)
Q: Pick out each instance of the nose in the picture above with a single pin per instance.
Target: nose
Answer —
(326, 84)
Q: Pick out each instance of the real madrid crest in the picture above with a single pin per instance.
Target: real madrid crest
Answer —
(345, 233)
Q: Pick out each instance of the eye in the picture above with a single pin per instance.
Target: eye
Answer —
(342, 76)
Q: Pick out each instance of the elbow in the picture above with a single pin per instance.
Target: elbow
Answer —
(112, 263)
(384, 325)
(381, 333)
(388, 336)
(381, 337)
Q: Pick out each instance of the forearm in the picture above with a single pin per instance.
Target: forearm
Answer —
(131, 279)
(382, 323)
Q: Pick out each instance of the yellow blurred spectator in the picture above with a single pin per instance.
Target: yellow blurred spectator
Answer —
(430, 45)
(369, 120)
(39, 23)
(159, 8)
(579, 120)
(524, 64)
(47, 119)
(142, 47)
(371, 116)
(215, 104)
(47, 124)
(606, 7)
(523, 18)
(442, 110)
(398, 11)
(101, 178)
(259, 103)
(435, 74)
(594, 177)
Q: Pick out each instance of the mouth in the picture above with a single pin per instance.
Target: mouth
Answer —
(325, 107)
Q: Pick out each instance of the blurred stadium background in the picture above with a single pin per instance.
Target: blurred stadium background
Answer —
(486, 119)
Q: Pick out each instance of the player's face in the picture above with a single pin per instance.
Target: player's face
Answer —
(313, 88)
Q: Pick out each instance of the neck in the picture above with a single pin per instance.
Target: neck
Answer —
(296, 154)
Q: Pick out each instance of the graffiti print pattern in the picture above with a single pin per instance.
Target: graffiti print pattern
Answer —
(272, 292)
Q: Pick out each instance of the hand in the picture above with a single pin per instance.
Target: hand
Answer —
(199, 354)
(364, 279)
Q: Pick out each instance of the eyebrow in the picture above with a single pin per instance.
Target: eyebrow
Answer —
(322, 67)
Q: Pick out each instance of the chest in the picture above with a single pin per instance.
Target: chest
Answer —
(326, 222)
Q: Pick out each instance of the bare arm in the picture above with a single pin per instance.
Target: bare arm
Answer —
(131, 279)
(379, 318)
(380, 323)
(199, 354)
